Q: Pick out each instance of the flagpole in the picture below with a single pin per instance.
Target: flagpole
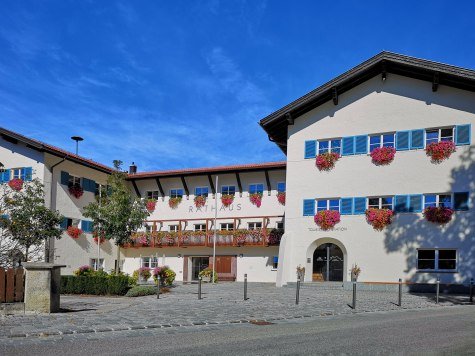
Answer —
(99, 230)
(215, 219)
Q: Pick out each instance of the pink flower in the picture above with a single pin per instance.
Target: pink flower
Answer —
(327, 219)
(16, 184)
(326, 161)
(256, 199)
(379, 218)
(438, 151)
(383, 155)
(150, 205)
(281, 198)
(200, 201)
(227, 199)
(438, 215)
(76, 191)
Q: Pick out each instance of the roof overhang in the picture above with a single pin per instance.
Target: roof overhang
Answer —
(276, 124)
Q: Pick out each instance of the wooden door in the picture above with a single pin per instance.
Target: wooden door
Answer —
(226, 268)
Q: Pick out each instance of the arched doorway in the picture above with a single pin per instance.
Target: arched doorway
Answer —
(328, 263)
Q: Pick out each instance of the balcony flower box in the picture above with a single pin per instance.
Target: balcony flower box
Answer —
(227, 199)
(200, 201)
(174, 202)
(326, 161)
(256, 199)
(438, 215)
(74, 232)
(16, 184)
(281, 198)
(382, 156)
(151, 205)
(327, 219)
(439, 151)
(76, 191)
(379, 218)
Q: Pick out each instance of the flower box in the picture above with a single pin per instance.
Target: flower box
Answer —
(151, 205)
(281, 198)
(439, 151)
(438, 215)
(379, 218)
(174, 202)
(76, 191)
(74, 232)
(200, 201)
(382, 155)
(326, 161)
(16, 184)
(256, 199)
(227, 199)
(327, 219)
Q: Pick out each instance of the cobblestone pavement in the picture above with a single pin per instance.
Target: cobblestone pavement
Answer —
(221, 304)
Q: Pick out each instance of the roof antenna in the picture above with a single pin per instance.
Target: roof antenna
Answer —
(77, 139)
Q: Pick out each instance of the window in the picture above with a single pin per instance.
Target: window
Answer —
(275, 262)
(328, 204)
(380, 203)
(281, 187)
(150, 262)
(176, 193)
(148, 228)
(200, 227)
(74, 181)
(436, 200)
(437, 135)
(203, 191)
(67, 222)
(325, 146)
(256, 188)
(383, 140)
(173, 228)
(152, 194)
(280, 225)
(16, 173)
(254, 225)
(227, 226)
(228, 189)
(437, 259)
(93, 263)
(461, 201)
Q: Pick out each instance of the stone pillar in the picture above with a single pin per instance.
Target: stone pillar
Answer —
(42, 284)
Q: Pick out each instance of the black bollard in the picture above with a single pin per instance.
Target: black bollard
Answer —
(353, 304)
(158, 287)
(471, 290)
(437, 291)
(199, 288)
(399, 300)
(297, 293)
(245, 286)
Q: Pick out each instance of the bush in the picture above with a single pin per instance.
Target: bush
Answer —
(167, 275)
(139, 291)
(96, 285)
(208, 273)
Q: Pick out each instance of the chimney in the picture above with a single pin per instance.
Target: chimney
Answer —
(132, 168)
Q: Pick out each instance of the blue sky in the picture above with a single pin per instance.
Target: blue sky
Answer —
(172, 84)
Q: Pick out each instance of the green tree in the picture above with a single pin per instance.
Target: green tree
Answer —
(117, 214)
(27, 222)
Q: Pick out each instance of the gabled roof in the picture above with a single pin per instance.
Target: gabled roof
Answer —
(276, 123)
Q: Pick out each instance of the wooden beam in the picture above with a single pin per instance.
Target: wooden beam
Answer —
(238, 178)
(269, 188)
(211, 184)
(137, 191)
(435, 82)
(289, 118)
(335, 95)
(185, 186)
(160, 188)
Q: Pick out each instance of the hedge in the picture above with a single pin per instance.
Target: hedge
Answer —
(97, 285)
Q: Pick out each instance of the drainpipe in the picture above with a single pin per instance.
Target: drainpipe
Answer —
(52, 206)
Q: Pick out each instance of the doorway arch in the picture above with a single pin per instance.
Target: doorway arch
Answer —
(328, 263)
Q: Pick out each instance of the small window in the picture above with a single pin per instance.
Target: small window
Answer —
(438, 200)
(173, 228)
(228, 190)
(74, 181)
(152, 194)
(325, 146)
(176, 193)
(227, 226)
(380, 203)
(16, 173)
(328, 204)
(281, 187)
(275, 262)
(200, 227)
(437, 259)
(201, 191)
(150, 262)
(437, 135)
(280, 225)
(93, 263)
(383, 140)
(256, 188)
(254, 225)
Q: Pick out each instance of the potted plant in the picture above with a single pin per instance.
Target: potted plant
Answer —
(144, 273)
(326, 161)
(379, 218)
(327, 219)
(438, 215)
(439, 151)
(256, 199)
(208, 273)
(76, 191)
(281, 198)
(227, 199)
(174, 202)
(150, 205)
(301, 272)
(167, 275)
(355, 272)
(382, 155)
(200, 201)
(74, 232)
(16, 184)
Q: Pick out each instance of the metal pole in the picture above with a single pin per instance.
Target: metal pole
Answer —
(99, 234)
(215, 219)
(199, 288)
(297, 293)
(399, 301)
(471, 290)
(158, 287)
(437, 291)
(353, 304)
(245, 286)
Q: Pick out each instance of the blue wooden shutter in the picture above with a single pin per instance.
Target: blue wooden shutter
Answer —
(346, 206)
(86, 226)
(361, 144)
(417, 139)
(310, 149)
(348, 146)
(5, 176)
(359, 206)
(400, 203)
(462, 134)
(89, 185)
(461, 201)
(28, 173)
(402, 140)
(309, 207)
(64, 178)
(64, 223)
(415, 203)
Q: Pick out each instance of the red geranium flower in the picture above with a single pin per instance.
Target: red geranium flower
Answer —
(382, 155)
(379, 218)
(327, 219)
(16, 184)
(438, 151)
(326, 161)
(74, 232)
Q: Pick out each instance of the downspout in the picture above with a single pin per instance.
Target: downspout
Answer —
(52, 206)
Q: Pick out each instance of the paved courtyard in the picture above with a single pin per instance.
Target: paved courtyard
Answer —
(221, 304)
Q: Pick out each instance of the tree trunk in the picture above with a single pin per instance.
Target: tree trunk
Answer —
(117, 267)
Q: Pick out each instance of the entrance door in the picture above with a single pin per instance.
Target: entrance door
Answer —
(327, 263)
(226, 268)
(197, 265)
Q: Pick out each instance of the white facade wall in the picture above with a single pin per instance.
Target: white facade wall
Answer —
(378, 106)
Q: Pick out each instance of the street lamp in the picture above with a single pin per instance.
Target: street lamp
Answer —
(77, 139)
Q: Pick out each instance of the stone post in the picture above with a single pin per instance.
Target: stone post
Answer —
(42, 284)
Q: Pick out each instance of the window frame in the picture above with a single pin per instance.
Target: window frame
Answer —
(173, 228)
(74, 180)
(202, 188)
(381, 141)
(439, 134)
(256, 184)
(152, 261)
(437, 199)
(152, 194)
(331, 146)
(253, 225)
(174, 193)
(380, 202)
(280, 223)
(93, 262)
(437, 260)
(328, 205)
(227, 227)
(228, 189)
(202, 227)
